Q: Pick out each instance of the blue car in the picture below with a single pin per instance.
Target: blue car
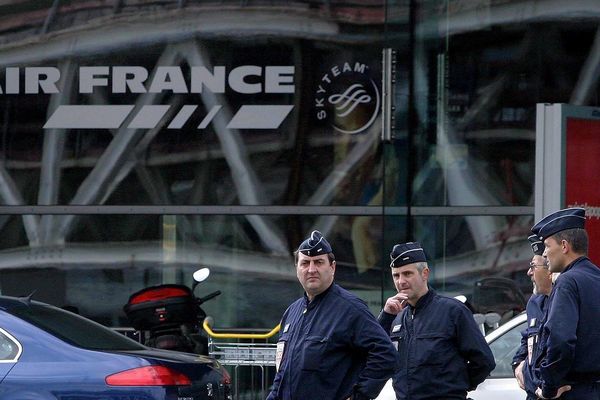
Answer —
(47, 353)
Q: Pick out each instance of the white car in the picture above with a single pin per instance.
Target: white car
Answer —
(501, 384)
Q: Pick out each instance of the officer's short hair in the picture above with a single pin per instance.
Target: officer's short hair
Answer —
(330, 256)
(421, 266)
(577, 237)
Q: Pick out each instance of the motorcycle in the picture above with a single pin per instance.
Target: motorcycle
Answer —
(170, 316)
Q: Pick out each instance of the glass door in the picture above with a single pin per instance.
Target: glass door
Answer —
(459, 151)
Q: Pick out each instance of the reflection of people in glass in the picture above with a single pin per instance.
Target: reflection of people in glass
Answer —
(569, 363)
(365, 227)
(330, 346)
(365, 249)
(442, 353)
(526, 372)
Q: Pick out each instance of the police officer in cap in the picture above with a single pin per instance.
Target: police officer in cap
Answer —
(526, 372)
(570, 360)
(330, 346)
(442, 352)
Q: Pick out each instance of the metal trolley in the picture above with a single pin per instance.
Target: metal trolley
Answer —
(243, 348)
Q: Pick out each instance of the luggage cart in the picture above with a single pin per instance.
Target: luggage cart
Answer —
(243, 348)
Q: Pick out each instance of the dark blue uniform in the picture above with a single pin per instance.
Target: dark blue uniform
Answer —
(571, 334)
(333, 348)
(442, 351)
(536, 312)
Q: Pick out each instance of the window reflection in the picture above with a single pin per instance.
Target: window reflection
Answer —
(222, 140)
(109, 257)
(477, 79)
(490, 270)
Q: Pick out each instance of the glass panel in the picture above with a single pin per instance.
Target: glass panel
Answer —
(284, 110)
(476, 257)
(113, 256)
(106, 258)
(8, 348)
(466, 91)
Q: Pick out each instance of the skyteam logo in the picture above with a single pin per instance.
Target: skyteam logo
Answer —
(348, 98)
(243, 80)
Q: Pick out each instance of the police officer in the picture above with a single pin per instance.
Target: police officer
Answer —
(442, 352)
(331, 346)
(570, 337)
(526, 372)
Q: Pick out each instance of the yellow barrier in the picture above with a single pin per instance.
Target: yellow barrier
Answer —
(207, 327)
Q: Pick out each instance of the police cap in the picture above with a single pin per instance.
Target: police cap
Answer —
(536, 244)
(406, 253)
(561, 220)
(315, 245)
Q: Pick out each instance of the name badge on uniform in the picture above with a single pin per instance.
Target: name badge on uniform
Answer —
(279, 354)
(532, 322)
(530, 342)
(287, 326)
(396, 328)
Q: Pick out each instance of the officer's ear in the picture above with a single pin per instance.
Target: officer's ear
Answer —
(426, 273)
(565, 246)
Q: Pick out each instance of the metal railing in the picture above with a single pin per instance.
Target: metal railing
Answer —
(244, 348)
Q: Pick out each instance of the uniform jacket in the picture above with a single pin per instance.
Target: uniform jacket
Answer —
(442, 353)
(536, 313)
(571, 334)
(332, 347)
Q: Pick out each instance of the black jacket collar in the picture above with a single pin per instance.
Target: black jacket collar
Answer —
(423, 301)
(317, 299)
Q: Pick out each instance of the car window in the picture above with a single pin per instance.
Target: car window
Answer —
(9, 348)
(504, 349)
(73, 328)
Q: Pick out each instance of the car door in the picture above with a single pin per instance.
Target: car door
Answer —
(501, 384)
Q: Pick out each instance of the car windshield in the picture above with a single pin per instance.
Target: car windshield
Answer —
(504, 349)
(73, 328)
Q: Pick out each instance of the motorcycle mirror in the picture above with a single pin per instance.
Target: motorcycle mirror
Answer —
(201, 274)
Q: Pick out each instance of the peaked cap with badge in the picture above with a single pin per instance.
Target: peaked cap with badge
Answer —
(569, 218)
(406, 253)
(315, 245)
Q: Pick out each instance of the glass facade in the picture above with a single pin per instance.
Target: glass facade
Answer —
(143, 139)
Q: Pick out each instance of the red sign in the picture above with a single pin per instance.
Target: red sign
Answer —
(583, 175)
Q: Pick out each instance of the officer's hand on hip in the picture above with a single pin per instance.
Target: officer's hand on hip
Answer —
(519, 375)
(561, 390)
(395, 304)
